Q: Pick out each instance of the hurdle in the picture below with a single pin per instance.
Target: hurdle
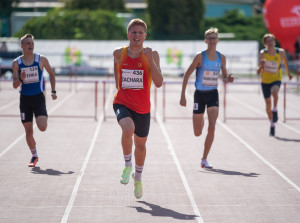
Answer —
(94, 116)
(285, 118)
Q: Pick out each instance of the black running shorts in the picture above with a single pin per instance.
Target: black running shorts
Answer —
(208, 98)
(141, 121)
(32, 104)
(266, 88)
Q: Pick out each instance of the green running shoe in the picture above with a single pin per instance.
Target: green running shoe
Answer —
(125, 175)
(138, 188)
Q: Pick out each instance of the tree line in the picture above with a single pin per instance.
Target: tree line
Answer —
(167, 20)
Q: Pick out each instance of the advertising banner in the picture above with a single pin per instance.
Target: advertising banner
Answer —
(282, 18)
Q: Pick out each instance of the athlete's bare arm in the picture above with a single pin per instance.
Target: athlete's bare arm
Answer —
(261, 62)
(226, 78)
(285, 62)
(154, 63)
(45, 63)
(117, 57)
(197, 62)
(16, 77)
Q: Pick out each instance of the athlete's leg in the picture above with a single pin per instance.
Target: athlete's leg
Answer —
(29, 135)
(127, 126)
(27, 110)
(198, 123)
(140, 156)
(274, 91)
(212, 114)
(41, 122)
(140, 150)
(269, 108)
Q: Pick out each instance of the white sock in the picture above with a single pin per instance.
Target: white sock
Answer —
(34, 152)
(138, 172)
(127, 159)
(272, 123)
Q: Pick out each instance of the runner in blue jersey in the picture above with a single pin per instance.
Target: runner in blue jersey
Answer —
(28, 74)
(208, 65)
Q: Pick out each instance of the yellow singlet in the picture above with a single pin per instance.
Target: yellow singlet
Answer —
(272, 68)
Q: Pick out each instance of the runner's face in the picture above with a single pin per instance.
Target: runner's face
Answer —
(212, 39)
(270, 42)
(28, 45)
(136, 35)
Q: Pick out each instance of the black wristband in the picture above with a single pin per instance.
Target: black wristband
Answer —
(53, 92)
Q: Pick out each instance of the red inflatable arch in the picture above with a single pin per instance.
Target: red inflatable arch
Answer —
(282, 18)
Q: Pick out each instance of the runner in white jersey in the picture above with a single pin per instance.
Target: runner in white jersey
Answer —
(28, 74)
(208, 65)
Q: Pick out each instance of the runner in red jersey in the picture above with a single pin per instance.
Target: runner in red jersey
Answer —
(135, 67)
(134, 82)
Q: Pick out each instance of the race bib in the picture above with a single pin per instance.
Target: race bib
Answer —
(270, 67)
(32, 75)
(132, 79)
(210, 78)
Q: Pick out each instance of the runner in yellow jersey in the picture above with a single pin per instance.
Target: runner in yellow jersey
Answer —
(270, 60)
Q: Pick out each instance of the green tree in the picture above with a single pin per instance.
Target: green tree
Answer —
(244, 28)
(6, 8)
(112, 5)
(176, 19)
(76, 24)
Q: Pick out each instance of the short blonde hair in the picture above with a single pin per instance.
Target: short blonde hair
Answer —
(210, 31)
(266, 36)
(26, 36)
(137, 22)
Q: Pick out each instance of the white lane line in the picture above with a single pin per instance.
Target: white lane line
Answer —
(264, 114)
(84, 165)
(254, 151)
(9, 104)
(289, 127)
(249, 106)
(183, 178)
(12, 144)
(61, 102)
(258, 155)
(34, 126)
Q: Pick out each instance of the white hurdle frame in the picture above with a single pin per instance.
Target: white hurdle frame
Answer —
(284, 83)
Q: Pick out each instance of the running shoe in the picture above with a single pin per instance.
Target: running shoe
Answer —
(138, 188)
(33, 161)
(275, 116)
(125, 175)
(205, 164)
(272, 131)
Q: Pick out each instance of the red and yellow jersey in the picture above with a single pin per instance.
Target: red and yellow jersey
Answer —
(272, 68)
(134, 82)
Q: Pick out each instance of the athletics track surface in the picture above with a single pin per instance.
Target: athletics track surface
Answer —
(256, 178)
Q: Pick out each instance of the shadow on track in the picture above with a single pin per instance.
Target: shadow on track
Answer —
(230, 172)
(287, 140)
(38, 170)
(158, 211)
